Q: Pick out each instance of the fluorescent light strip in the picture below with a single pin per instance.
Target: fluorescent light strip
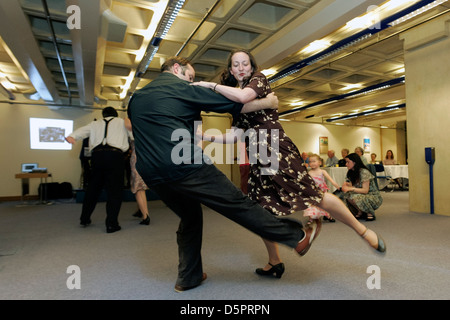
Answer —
(362, 35)
(417, 12)
(172, 10)
(337, 50)
(166, 22)
(145, 62)
(352, 94)
(381, 110)
(169, 18)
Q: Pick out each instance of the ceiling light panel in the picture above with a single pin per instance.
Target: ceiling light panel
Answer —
(123, 58)
(54, 41)
(266, 15)
(239, 38)
(205, 31)
(215, 56)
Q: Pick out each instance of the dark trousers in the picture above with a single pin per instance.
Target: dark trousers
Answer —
(210, 187)
(107, 171)
(86, 170)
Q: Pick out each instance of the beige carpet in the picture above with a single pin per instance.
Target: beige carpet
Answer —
(39, 244)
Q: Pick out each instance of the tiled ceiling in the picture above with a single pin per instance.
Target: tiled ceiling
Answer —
(43, 61)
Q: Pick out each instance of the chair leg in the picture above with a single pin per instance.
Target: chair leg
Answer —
(392, 182)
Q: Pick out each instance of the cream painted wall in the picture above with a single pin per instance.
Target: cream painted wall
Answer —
(15, 146)
(427, 66)
(306, 137)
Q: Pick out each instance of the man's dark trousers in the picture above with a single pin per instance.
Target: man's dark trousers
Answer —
(108, 168)
(210, 187)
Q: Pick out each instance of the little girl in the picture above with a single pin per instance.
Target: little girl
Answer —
(319, 176)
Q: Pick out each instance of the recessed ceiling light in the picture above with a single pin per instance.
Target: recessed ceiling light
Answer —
(8, 85)
(269, 72)
(352, 87)
(316, 46)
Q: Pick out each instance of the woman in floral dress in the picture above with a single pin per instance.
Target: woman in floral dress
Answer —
(277, 180)
(360, 192)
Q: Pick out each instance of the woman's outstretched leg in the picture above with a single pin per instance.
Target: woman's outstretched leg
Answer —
(336, 208)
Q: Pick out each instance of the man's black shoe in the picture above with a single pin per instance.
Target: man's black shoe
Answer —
(111, 229)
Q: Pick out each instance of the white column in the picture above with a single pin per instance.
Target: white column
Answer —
(427, 64)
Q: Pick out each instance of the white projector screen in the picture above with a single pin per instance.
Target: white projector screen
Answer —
(49, 134)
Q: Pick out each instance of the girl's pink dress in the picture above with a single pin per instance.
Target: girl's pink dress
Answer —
(315, 212)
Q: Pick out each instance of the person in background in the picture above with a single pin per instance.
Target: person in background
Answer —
(360, 152)
(127, 175)
(344, 153)
(373, 157)
(332, 160)
(85, 158)
(137, 185)
(108, 140)
(360, 191)
(305, 159)
(389, 159)
(319, 176)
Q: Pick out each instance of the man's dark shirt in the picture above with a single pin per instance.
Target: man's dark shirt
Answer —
(159, 109)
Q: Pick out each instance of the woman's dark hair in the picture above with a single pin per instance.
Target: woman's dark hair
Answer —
(354, 175)
(109, 112)
(227, 78)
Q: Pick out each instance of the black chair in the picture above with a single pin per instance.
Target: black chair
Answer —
(379, 168)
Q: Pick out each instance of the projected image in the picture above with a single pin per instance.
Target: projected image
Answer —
(49, 134)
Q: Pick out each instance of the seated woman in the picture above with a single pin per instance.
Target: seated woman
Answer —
(373, 158)
(360, 192)
(389, 160)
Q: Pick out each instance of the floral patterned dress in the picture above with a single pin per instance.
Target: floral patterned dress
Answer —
(137, 183)
(316, 212)
(288, 188)
(369, 202)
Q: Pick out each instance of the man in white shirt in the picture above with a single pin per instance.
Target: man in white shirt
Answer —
(108, 140)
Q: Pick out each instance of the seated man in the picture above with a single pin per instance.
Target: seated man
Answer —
(332, 160)
(305, 159)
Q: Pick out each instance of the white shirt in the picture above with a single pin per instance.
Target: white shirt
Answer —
(117, 136)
